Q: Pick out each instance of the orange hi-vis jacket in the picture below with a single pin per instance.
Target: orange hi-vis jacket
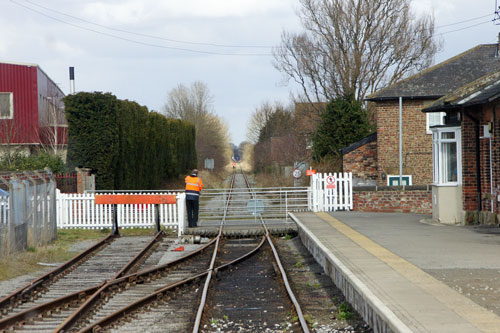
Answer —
(193, 186)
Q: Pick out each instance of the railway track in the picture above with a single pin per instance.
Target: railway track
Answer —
(56, 298)
(240, 278)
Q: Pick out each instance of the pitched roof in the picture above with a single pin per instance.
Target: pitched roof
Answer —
(483, 90)
(370, 138)
(445, 77)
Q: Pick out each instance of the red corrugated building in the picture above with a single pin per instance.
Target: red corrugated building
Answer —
(31, 110)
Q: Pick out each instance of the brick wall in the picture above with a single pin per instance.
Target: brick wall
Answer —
(469, 157)
(393, 199)
(362, 162)
(417, 144)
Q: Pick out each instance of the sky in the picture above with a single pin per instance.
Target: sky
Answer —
(141, 49)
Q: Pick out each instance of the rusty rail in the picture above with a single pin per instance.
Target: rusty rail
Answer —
(22, 293)
(159, 294)
(293, 299)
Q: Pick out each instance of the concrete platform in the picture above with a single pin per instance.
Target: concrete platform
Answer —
(380, 263)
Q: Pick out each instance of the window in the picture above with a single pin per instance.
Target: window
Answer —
(6, 105)
(433, 119)
(447, 155)
(393, 180)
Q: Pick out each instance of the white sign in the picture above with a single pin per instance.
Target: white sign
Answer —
(330, 182)
(297, 173)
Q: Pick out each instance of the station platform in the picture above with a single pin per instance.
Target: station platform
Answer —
(405, 275)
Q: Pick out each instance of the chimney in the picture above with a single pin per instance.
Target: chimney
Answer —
(72, 79)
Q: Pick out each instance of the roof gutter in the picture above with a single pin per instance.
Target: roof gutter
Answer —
(396, 98)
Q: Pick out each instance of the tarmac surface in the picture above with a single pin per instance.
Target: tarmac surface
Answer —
(420, 277)
(467, 259)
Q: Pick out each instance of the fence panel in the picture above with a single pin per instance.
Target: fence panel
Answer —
(80, 211)
(331, 192)
(67, 182)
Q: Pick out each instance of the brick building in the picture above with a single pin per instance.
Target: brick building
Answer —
(418, 92)
(466, 153)
(360, 158)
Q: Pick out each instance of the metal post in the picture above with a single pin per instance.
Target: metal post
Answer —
(157, 211)
(400, 141)
(116, 232)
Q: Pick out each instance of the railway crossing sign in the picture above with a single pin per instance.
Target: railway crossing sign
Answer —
(330, 182)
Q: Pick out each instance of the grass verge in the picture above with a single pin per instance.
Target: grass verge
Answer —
(57, 252)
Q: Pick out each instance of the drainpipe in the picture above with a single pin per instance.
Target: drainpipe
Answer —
(400, 141)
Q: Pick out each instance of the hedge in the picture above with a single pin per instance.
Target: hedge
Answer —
(129, 147)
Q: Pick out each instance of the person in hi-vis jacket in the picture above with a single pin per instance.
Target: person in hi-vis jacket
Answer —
(194, 184)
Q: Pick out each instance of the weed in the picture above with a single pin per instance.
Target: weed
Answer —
(288, 237)
(226, 318)
(309, 319)
(31, 249)
(317, 285)
(299, 264)
(214, 322)
(344, 311)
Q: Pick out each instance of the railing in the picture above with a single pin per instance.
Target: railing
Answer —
(271, 203)
(80, 211)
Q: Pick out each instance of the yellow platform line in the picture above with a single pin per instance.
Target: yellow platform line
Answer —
(478, 316)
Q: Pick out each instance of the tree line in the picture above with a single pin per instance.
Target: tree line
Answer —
(194, 104)
(346, 50)
(127, 146)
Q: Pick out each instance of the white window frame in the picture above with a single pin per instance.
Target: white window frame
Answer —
(428, 120)
(437, 155)
(11, 111)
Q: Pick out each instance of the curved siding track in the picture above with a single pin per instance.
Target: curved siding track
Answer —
(240, 279)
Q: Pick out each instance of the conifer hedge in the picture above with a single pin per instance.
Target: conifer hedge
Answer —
(129, 147)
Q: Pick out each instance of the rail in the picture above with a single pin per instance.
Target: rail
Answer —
(267, 236)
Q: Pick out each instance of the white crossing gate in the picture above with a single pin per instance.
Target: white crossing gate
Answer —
(331, 192)
(80, 211)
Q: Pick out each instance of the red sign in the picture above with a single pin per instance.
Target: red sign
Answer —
(310, 172)
(330, 182)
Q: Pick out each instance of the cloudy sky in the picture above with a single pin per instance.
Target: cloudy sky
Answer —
(141, 49)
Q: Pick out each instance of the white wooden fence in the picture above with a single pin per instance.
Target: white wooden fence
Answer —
(331, 192)
(80, 211)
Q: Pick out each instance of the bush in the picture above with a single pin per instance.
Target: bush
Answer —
(38, 161)
(128, 146)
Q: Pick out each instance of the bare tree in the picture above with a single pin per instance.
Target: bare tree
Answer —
(8, 137)
(55, 129)
(195, 104)
(260, 118)
(189, 103)
(354, 47)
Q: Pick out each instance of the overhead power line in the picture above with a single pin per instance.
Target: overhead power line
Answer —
(189, 42)
(145, 35)
(139, 42)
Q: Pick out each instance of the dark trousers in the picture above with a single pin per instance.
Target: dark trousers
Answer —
(192, 209)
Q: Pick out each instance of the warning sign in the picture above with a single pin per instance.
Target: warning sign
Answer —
(330, 182)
